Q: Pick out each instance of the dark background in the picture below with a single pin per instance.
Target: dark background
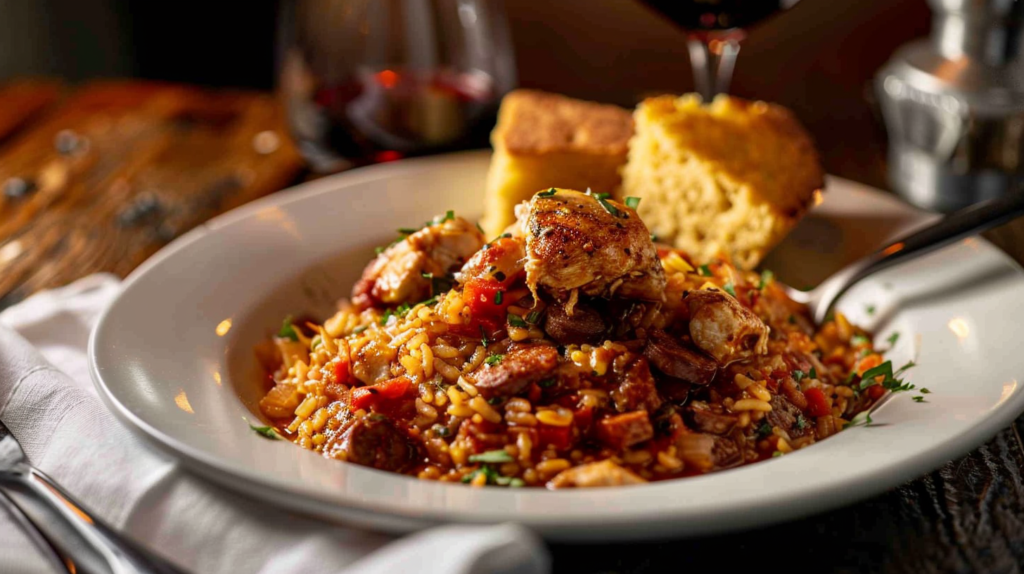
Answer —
(818, 58)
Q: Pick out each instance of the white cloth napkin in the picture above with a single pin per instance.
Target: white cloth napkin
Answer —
(48, 401)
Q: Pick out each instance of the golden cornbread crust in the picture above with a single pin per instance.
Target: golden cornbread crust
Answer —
(545, 140)
(533, 123)
(728, 178)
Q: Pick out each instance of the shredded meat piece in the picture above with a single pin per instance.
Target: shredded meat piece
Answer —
(625, 430)
(574, 244)
(704, 420)
(723, 328)
(675, 360)
(396, 275)
(636, 389)
(707, 452)
(374, 441)
(785, 415)
(585, 325)
(518, 369)
(503, 260)
(603, 473)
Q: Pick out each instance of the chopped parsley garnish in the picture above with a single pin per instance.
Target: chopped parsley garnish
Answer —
(777, 454)
(449, 215)
(517, 321)
(924, 390)
(704, 271)
(861, 422)
(729, 288)
(654, 238)
(359, 329)
(870, 309)
(547, 193)
(813, 374)
(494, 359)
(408, 230)
(547, 383)
(893, 338)
(441, 430)
(483, 336)
(498, 297)
(792, 319)
(264, 431)
(533, 317)
(388, 313)
(800, 422)
(378, 250)
(480, 229)
(316, 342)
(632, 202)
(287, 330)
(798, 375)
(764, 429)
(858, 340)
(602, 198)
(890, 379)
(766, 277)
(487, 471)
(491, 456)
(402, 309)
(439, 285)
(918, 399)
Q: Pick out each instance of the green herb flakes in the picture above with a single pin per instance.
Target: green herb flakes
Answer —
(359, 329)
(499, 297)
(704, 270)
(287, 330)
(533, 317)
(264, 431)
(441, 430)
(492, 360)
(798, 375)
(547, 193)
(491, 456)
(632, 202)
(870, 309)
(893, 338)
(547, 383)
(766, 277)
(729, 288)
(517, 321)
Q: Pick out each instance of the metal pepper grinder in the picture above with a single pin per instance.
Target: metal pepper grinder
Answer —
(953, 106)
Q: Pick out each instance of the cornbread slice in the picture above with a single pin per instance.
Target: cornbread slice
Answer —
(545, 140)
(728, 178)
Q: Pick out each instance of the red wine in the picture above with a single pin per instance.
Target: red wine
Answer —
(381, 115)
(717, 15)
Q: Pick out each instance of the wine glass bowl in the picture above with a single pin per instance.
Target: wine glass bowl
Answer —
(374, 80)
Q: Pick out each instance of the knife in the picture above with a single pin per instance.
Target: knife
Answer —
(70, 537)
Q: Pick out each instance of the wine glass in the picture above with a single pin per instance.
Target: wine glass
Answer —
(714, 29)
(365, 81)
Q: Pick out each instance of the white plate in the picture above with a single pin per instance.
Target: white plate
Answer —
(173, 358)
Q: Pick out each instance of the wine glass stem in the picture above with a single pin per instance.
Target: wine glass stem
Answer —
(712, 67)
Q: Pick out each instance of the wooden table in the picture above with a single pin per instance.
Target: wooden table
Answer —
(97, 179)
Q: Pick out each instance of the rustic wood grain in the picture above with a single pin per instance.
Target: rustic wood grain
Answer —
(120, 169)
(23, 101)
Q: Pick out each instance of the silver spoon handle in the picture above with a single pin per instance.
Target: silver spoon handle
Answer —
(80, 542)
(950, 229)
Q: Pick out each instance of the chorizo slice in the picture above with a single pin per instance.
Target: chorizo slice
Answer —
(675, 360)
(522, 366)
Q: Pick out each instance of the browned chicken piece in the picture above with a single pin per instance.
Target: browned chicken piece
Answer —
(370, 365)
(670, 357)
(577, 244)
(723, 328)
(625, 430)
(703, 419)
(604, 473)
(503, 260)
(707, 452)
(518, 369)
(396, 276)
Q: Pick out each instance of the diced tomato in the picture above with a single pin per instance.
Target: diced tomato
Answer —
(484, 427)
(364, 397)
(341, 370)
(817, 405)
(876, 391)
(559, 437)
(481, 296)
(583, 417)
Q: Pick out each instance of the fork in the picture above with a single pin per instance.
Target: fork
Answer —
(69, 536)
(951, 228)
